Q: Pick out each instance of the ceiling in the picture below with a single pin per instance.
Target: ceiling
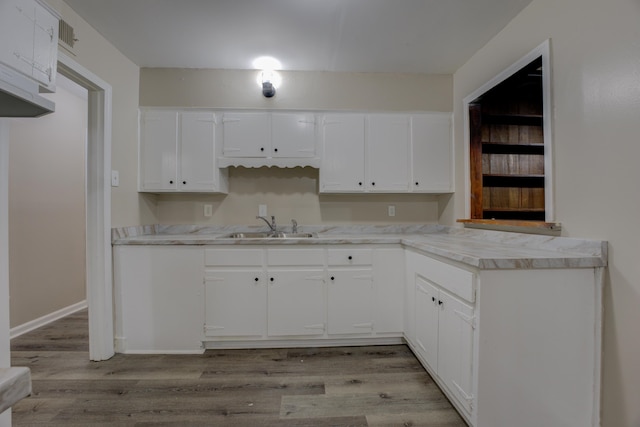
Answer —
(403, 36)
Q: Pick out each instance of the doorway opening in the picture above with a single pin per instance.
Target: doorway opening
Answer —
(98, 207)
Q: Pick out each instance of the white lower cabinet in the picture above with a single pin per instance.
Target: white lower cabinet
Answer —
(426, 321)
(455, 347)
(234, 304)
(443, 324)
(295, 301)
(235, 292)
(350, 301)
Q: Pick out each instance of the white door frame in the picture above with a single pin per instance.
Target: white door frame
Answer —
(98, 207)
(544, 51)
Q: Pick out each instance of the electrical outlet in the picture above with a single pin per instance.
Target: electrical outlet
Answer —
(262, 210)
(392, 210)
(208, 210)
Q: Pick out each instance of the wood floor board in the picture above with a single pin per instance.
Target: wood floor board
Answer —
(298, 387)
(360, 404)
(433, 418)
(416, 382)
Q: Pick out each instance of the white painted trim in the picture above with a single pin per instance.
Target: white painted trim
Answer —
(45, 320)
(5, 343)
(292, 343)
(98, 207)
(544, 51)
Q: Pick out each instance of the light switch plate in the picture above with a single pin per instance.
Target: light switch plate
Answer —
(115, 179)
(392, 210)
(208, 210)
(262, 210)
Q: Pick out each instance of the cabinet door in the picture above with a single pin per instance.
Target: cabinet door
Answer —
(158, 150)
(45, 48)
(342, 168)
(293, 135)
(388, 153)
(455, 347)
(296, 302)
(197, 152)
(235, 303)
(427, 308)
(246, 135)
(16, 34)
(431, 153)
(350, 301)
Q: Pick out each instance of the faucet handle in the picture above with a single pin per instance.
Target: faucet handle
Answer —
(294, 226)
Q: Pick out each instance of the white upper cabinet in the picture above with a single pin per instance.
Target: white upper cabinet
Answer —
(388, 155)
(29, 40)
(178, 152)
(342, 168)
(293, 135)
(246, 135)
(158, 150)
(255, 139)
(431, 153)
(198, 170)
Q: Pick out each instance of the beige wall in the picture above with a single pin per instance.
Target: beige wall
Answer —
(596, 100)
(101, 58)
(47, 209)
(291, 193)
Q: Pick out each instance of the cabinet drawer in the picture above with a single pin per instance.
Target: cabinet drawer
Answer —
(350, 256)
(455, 280)
(286, 257)
(233, 257)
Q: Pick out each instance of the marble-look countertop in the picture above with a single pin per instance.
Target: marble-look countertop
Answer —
(483, 249)
(15, 384)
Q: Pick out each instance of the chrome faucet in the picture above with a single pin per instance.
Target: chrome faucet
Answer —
(272, 224)
(294, 226)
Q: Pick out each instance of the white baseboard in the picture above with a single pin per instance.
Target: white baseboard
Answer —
(44, 320)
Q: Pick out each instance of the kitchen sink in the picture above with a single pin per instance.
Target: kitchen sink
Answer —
(278, 235)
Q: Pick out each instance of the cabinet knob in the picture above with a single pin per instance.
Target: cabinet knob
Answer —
(360, 183)
(440, 302)
(271, 279)
(275, 149)
(432, 298)
(256, 279)
(333, 278)
(261, 148)
(417, 183)
(373, 183)
(184, 182)
(350, 257)
(170, 182)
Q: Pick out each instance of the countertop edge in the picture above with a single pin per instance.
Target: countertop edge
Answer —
(15, 385)
(449, 246)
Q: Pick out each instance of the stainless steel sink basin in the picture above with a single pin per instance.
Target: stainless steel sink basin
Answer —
(278, 235)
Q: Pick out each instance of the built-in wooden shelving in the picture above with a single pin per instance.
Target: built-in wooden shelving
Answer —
(507, 149)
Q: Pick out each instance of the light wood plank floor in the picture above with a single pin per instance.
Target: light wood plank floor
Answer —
(343, 386)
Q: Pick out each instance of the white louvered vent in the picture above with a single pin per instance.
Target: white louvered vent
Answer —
(66, 36)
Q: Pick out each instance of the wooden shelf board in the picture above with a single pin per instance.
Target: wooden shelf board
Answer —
(513, 119)
(518, 226)
(503, 148)
(514, 209)
(516, 181)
